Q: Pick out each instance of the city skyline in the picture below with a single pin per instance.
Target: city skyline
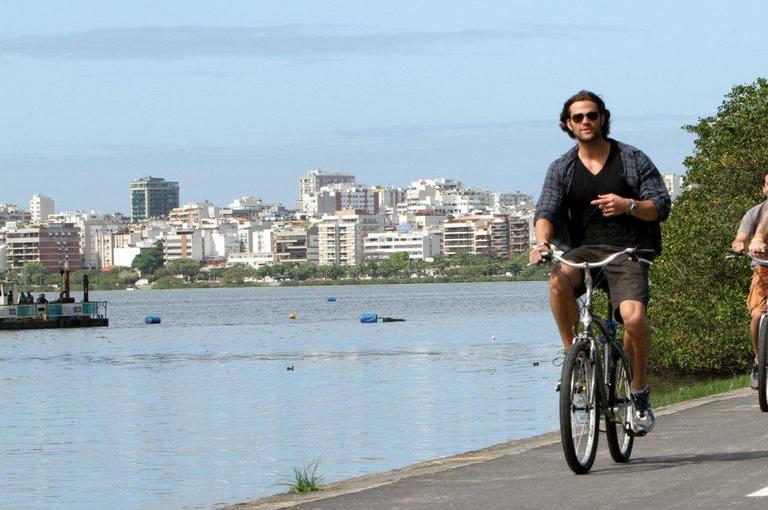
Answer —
(243, 100)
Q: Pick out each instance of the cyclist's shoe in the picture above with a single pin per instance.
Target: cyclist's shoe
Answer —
(754, 379)
(557, 388)
(642, 420)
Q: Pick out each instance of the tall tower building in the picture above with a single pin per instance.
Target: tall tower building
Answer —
(311, 183)
(41, 207)
(152, 197)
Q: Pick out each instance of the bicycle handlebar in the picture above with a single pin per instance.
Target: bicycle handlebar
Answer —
(733, 254)
(632, 252)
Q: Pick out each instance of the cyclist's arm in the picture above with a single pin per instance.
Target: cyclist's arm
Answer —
(614, 205)
(544, 230)
(757, 245)
(646, 210)
(740, 241)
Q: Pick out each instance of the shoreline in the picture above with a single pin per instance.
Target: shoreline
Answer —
(514, 447)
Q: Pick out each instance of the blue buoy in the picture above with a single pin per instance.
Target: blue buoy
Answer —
(152, 319)
(367, 318)
(331, 298)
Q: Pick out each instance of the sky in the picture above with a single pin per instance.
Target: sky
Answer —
(234, 98)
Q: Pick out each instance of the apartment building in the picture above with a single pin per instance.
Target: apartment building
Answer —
(459, 202)
(40, 208)
(675, 184)
(250, 259)
(192, 213)
(515, 201)
(56, 246)
(311, 183)
(501, 235)
(341, 237)
(153, 197)
(9, 213)
(184, 244)
(295, 243)
(418, 244)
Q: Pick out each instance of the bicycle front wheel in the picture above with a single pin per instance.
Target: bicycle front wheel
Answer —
(762, 359)
(579, 409)
(620, 442)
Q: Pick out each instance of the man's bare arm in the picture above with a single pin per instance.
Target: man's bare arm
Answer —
(544, 230)
(757, 245)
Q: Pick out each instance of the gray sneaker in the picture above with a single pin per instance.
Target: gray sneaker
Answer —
(642, 420)
(754, 380)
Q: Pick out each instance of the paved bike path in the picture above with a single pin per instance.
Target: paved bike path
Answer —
(711, 453)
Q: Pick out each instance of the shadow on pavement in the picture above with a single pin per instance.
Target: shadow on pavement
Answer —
(665, 462)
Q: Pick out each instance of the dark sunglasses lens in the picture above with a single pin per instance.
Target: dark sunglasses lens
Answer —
(577, 117)
(593, 115)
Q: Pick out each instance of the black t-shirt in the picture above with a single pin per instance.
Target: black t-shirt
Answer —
(586, 223)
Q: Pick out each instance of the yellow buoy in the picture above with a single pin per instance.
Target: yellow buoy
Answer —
(292, 315)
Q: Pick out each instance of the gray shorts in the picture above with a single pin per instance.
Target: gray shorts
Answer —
(623, 279)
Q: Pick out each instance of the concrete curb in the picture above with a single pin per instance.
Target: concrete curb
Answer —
(361, 483)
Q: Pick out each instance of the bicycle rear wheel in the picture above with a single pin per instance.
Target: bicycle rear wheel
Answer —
(762, 359)
(620, 441)
(579, 409)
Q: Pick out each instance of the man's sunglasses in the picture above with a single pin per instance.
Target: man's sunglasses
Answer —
(578, 117)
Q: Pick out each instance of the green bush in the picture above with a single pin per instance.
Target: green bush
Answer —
(697, 307)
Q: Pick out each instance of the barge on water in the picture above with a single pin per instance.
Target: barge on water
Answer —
(62, 313)
(54, 315)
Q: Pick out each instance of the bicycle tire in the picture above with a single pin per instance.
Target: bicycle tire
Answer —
(620, 441)
(579, 414)
(762, 359)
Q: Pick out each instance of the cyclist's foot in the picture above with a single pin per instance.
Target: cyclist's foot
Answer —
(557, 388)
(754, 380)
(642, 420)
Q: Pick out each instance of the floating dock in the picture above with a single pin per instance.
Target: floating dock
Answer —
(54, 315)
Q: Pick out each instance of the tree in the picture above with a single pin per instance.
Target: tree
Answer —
(697, 304)
(149, 259)
(188, 268)
(235, 276)
(33, 273)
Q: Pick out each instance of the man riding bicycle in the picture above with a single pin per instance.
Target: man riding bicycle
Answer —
(749, 229)
(598, 198)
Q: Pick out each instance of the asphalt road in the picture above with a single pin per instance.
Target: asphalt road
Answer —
(705, 454)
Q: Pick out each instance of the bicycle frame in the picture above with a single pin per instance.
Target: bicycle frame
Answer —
(601, 352)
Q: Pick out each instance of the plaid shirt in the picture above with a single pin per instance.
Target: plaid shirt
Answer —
(639, 173)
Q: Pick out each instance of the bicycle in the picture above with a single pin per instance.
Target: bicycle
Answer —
(595, 379)
(762, 342)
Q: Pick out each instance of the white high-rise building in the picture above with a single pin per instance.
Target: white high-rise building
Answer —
(341, 236)
(311, 183)
(675, 184)
(41, 207)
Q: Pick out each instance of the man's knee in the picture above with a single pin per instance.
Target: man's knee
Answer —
(633, 315)
(560, 283)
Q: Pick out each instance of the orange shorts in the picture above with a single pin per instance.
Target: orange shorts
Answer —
(757, 290)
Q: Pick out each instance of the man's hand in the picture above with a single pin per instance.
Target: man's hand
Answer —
(738, 246)
(612, 204)
(757, 247)
(534, 257)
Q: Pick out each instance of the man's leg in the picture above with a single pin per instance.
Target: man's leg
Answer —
(637, 341)
(562, 298)
(754, 325)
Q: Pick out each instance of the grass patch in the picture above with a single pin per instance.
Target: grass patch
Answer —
(668, 390)
(305, 479)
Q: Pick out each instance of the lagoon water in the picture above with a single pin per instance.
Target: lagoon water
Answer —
(201, 410)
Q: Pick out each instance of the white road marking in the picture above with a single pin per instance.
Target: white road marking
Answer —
(759, 494)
